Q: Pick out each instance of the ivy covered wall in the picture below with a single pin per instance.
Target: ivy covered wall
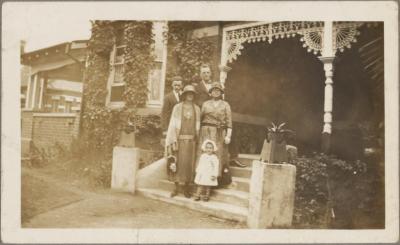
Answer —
(101, 125)
(186, 54)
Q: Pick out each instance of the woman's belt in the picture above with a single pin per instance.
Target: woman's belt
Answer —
(186, 137)
(213, 125)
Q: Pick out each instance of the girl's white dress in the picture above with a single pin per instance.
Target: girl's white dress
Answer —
(208, 166)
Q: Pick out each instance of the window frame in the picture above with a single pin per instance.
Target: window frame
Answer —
(111, 78)
(111, 82)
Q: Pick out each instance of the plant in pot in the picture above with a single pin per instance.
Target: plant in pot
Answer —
(127, 137)
(274, 147)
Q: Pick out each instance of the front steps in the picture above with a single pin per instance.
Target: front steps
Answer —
(212, 207)
(229, 203)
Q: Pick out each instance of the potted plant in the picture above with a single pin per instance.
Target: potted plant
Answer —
(127, 137)
(274, 147)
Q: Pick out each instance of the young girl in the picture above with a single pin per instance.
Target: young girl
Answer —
(206, 171)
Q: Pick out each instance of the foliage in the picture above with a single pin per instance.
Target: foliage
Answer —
(138, 39)
(95, 84)
(102, 125)
(40, 157)
(101, 128)
(278, 128)
(186, 53)
(37, 157)
(96, 118)
(278, 133)
(102, 39)
(325, 184)
(312, 196)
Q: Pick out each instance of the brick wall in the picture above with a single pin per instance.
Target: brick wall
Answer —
(51, 128)
(26, 132)
(26, 124)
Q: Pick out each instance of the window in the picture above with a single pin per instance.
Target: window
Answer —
(116, 84)
(56, 102)
(116, 79)
(68, 105)
(157, 75)
(61, 104)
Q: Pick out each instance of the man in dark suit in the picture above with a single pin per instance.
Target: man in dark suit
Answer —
(170, 100)
(204, 85)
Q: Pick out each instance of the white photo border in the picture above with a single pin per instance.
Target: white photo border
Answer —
(15, 19)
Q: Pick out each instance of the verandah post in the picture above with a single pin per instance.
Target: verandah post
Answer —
(328, 55)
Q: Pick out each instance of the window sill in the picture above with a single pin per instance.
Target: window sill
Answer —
(150, 109)
(116, 105)
(154, 104)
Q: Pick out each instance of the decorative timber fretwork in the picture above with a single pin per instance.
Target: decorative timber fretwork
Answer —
(345, 33)
(311, 32)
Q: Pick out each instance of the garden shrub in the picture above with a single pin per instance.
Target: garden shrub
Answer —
(333, 193)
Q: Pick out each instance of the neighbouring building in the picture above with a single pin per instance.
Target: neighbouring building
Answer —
(51, 93)
(324, 79)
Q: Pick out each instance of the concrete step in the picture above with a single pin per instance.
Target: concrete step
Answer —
(224, 195)
(212, 207)
(248, 158)
(241, 172)
(231, 196)
(167, 185)
(240, 184)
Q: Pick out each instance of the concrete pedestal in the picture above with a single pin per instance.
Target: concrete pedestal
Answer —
(124, 167)
(271, 199)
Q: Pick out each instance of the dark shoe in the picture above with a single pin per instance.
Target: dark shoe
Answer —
(206, 199)
(174, 193)
(197, 198)
(236, 162)
(187, 194)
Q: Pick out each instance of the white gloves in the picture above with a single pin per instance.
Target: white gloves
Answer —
(227, 140)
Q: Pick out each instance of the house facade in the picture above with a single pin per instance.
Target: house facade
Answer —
(51, 94)
(323, 79)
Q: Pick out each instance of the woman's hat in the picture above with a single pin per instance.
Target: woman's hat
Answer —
(187, 89)
(203, 146)
(176, 78)
(216, 85)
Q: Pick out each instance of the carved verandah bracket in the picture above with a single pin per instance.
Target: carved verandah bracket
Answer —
(344, 33)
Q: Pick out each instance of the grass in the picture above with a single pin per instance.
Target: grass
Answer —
(37, 196)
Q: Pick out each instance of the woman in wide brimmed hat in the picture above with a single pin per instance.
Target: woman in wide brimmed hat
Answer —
(181, 138)
(216, 124)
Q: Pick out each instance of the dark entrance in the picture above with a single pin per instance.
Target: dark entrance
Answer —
(280, 82)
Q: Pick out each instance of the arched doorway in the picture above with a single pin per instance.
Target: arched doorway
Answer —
(279, 82)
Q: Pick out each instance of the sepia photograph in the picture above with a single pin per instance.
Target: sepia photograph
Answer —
(198, 124)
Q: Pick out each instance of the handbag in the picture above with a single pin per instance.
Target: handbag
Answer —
(226, 176)
(171, 164)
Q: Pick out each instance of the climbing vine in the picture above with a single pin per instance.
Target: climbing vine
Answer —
(138, 56)
(102, 125)
(96, 119)
(187, 53)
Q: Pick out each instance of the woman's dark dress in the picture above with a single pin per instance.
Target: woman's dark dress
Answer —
(187, 145)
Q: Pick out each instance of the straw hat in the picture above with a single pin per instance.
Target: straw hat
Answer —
(216, 85)
(188, 89)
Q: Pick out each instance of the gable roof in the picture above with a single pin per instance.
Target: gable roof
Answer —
(76, 49)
